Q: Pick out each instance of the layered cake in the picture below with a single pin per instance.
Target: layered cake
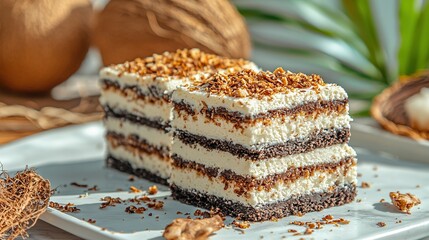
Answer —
(138, 110)
(262, 145)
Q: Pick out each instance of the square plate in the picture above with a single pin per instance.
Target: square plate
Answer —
(75, 154)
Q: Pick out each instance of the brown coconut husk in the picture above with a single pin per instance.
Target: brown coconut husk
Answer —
(389, 111)
(127, 29)
(23, 198)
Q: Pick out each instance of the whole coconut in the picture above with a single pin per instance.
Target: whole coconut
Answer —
(42, 42)
(126, 29)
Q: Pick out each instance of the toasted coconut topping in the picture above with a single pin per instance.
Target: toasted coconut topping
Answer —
(253, 84)
(182, 63)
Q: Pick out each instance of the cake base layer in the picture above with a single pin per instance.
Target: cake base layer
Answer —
(293, 206)
(126, 167)
(325, 138)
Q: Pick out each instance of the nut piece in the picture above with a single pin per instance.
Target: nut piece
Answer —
(152, 190)
(197, 229)
(404, 202)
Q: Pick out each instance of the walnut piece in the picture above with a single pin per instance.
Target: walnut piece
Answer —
(404, 201)
(192, 229)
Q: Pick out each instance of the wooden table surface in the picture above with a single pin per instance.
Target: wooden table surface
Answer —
(45, 231)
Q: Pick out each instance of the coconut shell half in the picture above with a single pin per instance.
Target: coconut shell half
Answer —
(127, 29)
(389, 111)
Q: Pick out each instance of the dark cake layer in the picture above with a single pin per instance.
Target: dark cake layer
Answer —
(121, 114)
(243, 184)
(154, 92)
(316, 140)
(294, 206)
(126, 167)
(132, 145)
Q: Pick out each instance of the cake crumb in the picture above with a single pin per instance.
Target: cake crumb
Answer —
(308, 231)
(157, 205)
(109, 201)
(134, 189)
(382, 200)
(153, 190)
(242, 224)
(381, 224)
(404, 201)
(365, 185)
(192, 228)
(92, 221)
(67, 208)
(133, 209)
(292, 230)
(131, 178)
(75, 184)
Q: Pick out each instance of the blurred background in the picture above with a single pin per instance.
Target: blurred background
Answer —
(51, 51)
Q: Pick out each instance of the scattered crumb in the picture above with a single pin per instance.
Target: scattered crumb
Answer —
(152, 190)
(292, 231)
(156, 205)
(378, 190)
(359, 175)
(68, 208)
(417, 186)
(365, 185)
(179, 212)
(399, 221)
(131, 178)
(375, 168)
(404, 202)
(94, 188)
(134, 189)
(109, 201)
(79, 185)
(382, 200)
(134, 209)
(192, 228)
(242, 225)
(84, 195)
(92, 221)
(381, 224)
(308, 231)
(358, 200)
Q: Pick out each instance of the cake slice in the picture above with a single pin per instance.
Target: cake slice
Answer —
(262, 145)
(138, 110)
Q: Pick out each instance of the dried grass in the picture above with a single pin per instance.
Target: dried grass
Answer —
(23, 198)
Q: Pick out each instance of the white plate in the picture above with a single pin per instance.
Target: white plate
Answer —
(75, 154)
(368, 134)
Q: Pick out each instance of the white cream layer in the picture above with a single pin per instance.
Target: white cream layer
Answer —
(138, 159)
(294, 127)
(252, 106)
(160, 110)
(151, 135)
(260, 169)
(319, 182)
(165, 85)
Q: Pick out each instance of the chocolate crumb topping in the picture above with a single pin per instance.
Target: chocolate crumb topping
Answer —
(182, 63)
(248, 83)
